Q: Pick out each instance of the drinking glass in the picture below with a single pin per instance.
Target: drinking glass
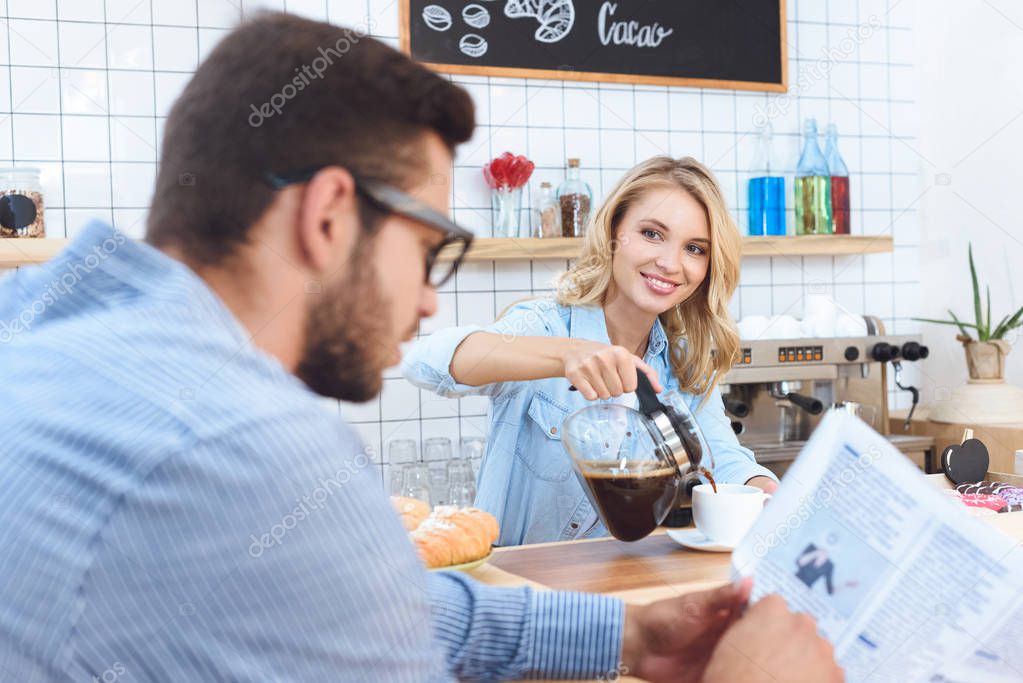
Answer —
(461, 482)
(399, 452)
(416, 481)
(438, 483)
(437, 448)
(472, 448)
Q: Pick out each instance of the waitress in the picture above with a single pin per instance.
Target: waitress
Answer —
(650, 292)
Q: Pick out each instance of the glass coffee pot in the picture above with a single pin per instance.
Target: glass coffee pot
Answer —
(633, 463)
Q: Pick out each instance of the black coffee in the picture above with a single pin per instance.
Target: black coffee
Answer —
(632, 504)
(710, 478)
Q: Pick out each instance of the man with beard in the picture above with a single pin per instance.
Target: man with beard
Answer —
(177, 506)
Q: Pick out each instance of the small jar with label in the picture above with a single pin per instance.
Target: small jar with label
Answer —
(546, 218)
(21, 203)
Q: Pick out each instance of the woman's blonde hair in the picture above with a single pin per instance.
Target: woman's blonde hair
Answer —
(702, 321)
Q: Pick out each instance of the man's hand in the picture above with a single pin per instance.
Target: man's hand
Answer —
(770, 644)
(673, 639)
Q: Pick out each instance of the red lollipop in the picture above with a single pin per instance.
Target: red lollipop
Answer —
(508, 171)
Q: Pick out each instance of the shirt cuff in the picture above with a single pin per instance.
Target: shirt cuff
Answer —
(576, 635)
(428, 364)
(494, 633)
(743, 472)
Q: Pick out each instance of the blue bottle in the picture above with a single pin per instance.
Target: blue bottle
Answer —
(766, 191)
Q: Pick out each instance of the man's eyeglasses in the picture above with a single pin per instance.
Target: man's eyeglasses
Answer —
(390, 199)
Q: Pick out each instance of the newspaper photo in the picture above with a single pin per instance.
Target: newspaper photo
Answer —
(904, 583)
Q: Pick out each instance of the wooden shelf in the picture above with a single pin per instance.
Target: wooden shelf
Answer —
(516, 248)
(504, 249)
(817, 245)
(19, 252)
(22, 252)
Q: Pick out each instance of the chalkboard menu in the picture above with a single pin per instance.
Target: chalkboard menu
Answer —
(736, 44)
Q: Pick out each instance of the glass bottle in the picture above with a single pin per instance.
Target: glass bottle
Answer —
(21, 203)
(574, 197)
(766, 191)
(813, 186)
(546, 218)
(839, 182)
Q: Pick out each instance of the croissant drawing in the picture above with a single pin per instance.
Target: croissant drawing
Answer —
(556, 17)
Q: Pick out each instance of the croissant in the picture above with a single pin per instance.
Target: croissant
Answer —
(452, 535)
(489, 523)
(475, 541)
(436, 543)
(411, 510)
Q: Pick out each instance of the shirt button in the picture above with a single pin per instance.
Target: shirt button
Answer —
(574, 525)
(554, 430)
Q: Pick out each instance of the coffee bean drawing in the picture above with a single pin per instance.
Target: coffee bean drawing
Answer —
(473, 45)
(436, 17)
(476, 16)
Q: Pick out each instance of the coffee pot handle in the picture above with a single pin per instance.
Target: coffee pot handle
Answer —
(648, 403)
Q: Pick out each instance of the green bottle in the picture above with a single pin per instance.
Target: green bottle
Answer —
(813, 186)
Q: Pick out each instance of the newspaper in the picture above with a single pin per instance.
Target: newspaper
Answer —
(904, 583)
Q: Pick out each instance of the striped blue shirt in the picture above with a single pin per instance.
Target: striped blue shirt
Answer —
(176, 506)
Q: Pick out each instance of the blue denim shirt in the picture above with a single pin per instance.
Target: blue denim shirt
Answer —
(526, 478)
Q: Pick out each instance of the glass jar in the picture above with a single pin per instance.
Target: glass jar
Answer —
(546, 217)
(574, 198)
(21, 203)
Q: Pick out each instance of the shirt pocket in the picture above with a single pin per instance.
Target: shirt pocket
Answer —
(539, 445)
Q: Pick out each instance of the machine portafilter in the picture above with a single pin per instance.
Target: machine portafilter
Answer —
(783, 391)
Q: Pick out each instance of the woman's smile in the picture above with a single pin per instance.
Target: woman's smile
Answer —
(659, 285)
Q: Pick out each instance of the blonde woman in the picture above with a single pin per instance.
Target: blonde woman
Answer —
(649, 292)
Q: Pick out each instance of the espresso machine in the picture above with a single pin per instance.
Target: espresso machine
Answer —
(779, 389)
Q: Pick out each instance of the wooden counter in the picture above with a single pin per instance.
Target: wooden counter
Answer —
(650, 569)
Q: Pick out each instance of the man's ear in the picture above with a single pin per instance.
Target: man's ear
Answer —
(328, 223)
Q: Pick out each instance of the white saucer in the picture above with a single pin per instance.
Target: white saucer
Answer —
(694, 539)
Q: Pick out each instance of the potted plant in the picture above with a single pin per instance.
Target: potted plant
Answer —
(985, 354)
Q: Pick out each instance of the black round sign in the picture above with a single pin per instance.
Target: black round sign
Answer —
(17, 211)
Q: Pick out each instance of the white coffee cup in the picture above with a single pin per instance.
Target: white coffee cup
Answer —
(725, 517)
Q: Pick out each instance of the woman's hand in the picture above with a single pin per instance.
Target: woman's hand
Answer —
(602, 371)
(765, 484)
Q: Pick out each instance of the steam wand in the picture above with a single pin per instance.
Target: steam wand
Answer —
(913, 390)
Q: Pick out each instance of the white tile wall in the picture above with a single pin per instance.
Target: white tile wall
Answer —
(89, 83)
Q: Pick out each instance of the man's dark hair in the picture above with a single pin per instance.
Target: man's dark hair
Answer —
(282, 93)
